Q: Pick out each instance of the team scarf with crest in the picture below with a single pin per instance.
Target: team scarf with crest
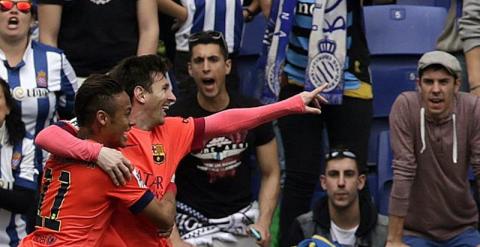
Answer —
(275, 44)
(326, 51)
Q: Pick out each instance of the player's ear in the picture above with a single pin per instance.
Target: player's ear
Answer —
(139, 94)
(102, 117)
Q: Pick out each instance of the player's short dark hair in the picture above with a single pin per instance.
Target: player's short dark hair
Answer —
(13, 121)
(95, 94)
(205, 38)
(139, 71)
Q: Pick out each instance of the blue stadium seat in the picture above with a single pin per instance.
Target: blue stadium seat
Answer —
(318, 194)
(416, 2)
(397, 36)
(378, 125)
(403, 29)
(385, 173)
(391, 75)
(438, 3)
(372, 180)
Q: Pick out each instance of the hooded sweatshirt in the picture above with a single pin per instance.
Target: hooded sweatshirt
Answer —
(430, 166)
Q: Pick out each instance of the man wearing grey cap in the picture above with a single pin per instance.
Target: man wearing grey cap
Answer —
(435, 135)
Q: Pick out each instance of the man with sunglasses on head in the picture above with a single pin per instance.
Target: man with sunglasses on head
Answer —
(214, 183)
(435, 138)
(342, 215)
(158, 143)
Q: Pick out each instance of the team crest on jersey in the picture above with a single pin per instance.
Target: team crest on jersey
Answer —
(42, 79)
(158, 153)
(16, 159)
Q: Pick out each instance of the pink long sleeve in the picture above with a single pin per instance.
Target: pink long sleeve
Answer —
(234, 120)
(61, 141)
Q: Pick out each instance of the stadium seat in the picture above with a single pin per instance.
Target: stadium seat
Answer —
(378, 125)
(391, 75)
(372, 180)
(438, 3)
(403, 29)
(385, 173)
(397, 36)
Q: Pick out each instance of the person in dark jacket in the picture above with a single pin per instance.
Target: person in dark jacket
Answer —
(343, 216)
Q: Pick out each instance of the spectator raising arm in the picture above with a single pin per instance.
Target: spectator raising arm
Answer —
(49, 16)
(148, 28)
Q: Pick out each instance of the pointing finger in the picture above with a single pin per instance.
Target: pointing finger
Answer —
(319, 89)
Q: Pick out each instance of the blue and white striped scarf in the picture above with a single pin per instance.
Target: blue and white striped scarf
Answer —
(326, 53)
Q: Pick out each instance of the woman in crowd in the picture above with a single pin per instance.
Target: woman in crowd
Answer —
(18, 177)
(40, 78)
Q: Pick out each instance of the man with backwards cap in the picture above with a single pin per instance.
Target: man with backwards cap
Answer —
(435, 135)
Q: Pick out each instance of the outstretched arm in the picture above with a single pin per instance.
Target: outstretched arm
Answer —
(234, 120)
